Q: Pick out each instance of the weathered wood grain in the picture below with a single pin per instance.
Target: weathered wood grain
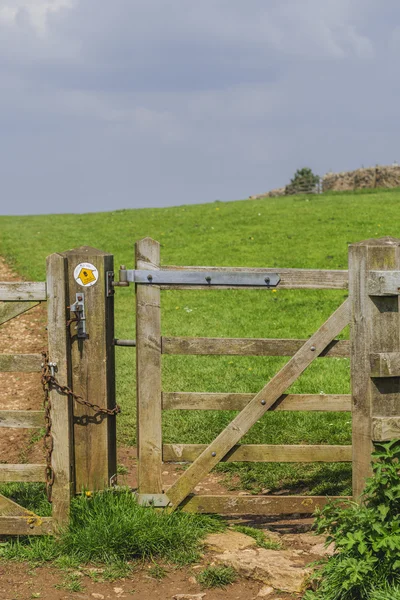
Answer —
(262, 453)
(385, 364)
(290, 278)
(22, 291)
(20, 363)
(93, 374)
(148, 366)
(384, 283)
(374, 329)
(21, 472)
(247, 346)
(22, 419)
(10, 310)
(59, 352)
(257, 505)
(221, 401)
(259, 405)
(26, 525)
(384, 429)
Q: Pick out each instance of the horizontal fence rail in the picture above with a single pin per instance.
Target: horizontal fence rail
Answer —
(22, 473)
(21, 363)
(261, 453)
(247, 346)
(314, 279)
(237, 401)
(22, 291)
(20, 419)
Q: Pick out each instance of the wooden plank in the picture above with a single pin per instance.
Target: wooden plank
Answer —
(61, 415)
(290, 278)
(374, 329)
(257, 407)
(10, 310)
(21, 472)
(28, 525)
(22, 291)
(262, 453)
(257, 505)
(384, 283)
(385, 364)
(20, 363)
(385, 428)
(247, 346)
(22, 419)
(221, 401)
(93, 374)
(148, 366)
(9, 508)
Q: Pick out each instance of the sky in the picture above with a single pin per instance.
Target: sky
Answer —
(136, 103)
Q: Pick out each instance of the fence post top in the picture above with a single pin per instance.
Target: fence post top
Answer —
(84, 251)
(383, 241)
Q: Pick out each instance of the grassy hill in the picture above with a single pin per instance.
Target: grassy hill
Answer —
(297, 231)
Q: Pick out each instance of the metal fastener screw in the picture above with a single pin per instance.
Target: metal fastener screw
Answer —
(213, 454)
(208, 279)
(150, 277)
(79, 298)
(263, 402)
(267, 280)
(312, 348)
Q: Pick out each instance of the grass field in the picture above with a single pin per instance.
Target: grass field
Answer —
(299, 231)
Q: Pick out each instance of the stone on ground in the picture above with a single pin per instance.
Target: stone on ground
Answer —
(279, 569)
(231, 541)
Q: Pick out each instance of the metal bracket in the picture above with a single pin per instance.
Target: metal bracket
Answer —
(156, 500)
(113, 480)
(209, 278)
(110, 291)
(78, 307)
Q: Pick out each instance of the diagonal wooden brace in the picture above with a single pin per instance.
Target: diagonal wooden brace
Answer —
(259, 405)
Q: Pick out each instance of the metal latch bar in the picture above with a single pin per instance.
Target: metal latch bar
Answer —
(210, 278)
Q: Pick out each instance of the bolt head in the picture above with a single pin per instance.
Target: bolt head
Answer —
(213, 454)
(313, 348)
(263, 402)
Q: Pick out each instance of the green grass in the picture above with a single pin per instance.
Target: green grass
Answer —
(212, 577)
(298, 231)
(111, 528)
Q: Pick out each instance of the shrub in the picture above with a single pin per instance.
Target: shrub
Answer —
(367, 537)
(303, 182)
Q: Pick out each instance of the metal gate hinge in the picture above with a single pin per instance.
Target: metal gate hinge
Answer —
(203, 278)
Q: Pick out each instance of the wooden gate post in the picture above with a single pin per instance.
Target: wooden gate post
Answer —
(148, 366)
(375, 328)
(61, 412)
(93, 368)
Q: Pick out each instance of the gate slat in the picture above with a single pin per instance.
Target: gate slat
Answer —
(21, 472)
(247, 346)
(26, 525)
(257, 505)
(262, 453)
(259, 405)
(230, 401)
(28, 419)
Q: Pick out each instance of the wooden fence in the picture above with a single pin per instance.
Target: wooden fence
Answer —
(84, 454)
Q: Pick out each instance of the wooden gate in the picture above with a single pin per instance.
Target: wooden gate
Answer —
(370, 330)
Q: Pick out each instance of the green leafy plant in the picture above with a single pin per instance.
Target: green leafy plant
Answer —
(303, 182)
(366, 537)
(217, 577)
(261, 538)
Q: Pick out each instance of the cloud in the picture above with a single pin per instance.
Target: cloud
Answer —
(102, 101)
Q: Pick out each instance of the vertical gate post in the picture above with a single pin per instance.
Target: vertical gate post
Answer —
(61, 412)
(148, 366)
(375, 327)
(92, 368)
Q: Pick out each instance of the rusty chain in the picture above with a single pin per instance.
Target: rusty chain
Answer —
(49, 382)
